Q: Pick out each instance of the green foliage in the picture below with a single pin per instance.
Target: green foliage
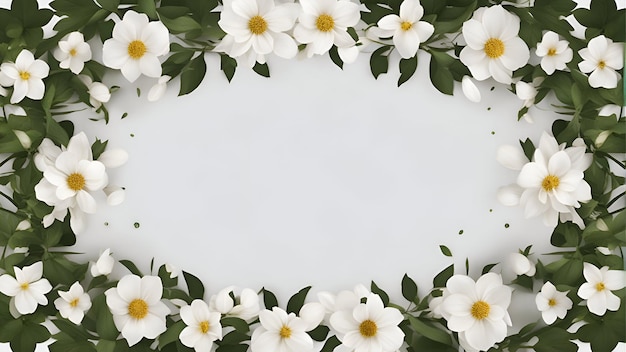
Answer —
(297, 301)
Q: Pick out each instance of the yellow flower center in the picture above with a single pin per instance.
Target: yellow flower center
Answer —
(552, 52)
(257, 25)
(325, 23)
(600, 286)
(406, 25)
(25, 75)
(550, 183)
(480, 310)
(285, 332)
(73, 52)
(368, 328)
(138, 309)
(24, 286)
(75, 182)
(494, 48)
(204, 327)
(601, 65)
(74, 303)
(552, 302)
(136, 49)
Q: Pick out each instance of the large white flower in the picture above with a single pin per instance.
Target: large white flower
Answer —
(73, 304)
(597, 289)
(602, 58)
(137, 307)
(478, 310)
(284, 332)
(552, 303)
(73, 52)
(257, 29)
(324, 23)
(136, 45)
(551, 184)
(554, 53)
(25, 75)
(247, 308)
(27, 289)
(369, 326)
(203, 326)
(494, 48)
(407, 29)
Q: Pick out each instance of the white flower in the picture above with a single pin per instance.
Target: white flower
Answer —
(172, 270)
(104, 264)
(24, 139)
(369, 326)
(407, 29)
(25, 75)
(526, 92)
(137, 308)
(136, 46)
(73, 52)
(552, 303)
(158, 90)
(9, 110)
(203, 326)
(612, 109)
(284, 332)
(478, 310)
(552, 183)
(73, 304)
(470, 90)
(324, 23)
(597, 289)
(554, 53)
(247, 308)
(27, 289)
(602, 58)
(521, 265)
(98, 92)
(257, 28)
(493, 46)
(343, 301)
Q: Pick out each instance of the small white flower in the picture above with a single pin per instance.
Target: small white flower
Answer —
(478, 310)
(324, 23)
(494, 48)
(521, 265)
(203, 326)
(136, 45)
(552, 303)
(98, 92)
(247, 308)
(343, 301)
(597, 289)
(172, 270)
(137, 308)
(470, 90)
(554, 53)
(407, 29)
(73, 304)
(158, 90)
(369, 326)
(602, 58)
(104, 264)
(280, 331)
(25, 75)
(435, 307)
(612, 109)
(73, 52)
(526, 92)
(27, 289)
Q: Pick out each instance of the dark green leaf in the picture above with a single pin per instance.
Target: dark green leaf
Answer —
(297, 301)
(441, 278)
(269, 299)
(409, 289)
(379, 61)
(330, 344)
(383, 295)
(192, 75)
(445, 250)
(194, 285)
(237, 323)
(228, 65)
(430, 331)
(131, 267)
(407, 69)
(261, 69)
(171, 334)
(319, 333)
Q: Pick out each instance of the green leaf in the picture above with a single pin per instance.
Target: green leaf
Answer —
(566, 235)
(165, 277)
(297, 301)
(182, 24)
(330, 344)
(29, 336)
(72, 346)
(232, 348)
(383, 295)
(148, 7)
(409, 289)
(319, 333)
(109, 5)
(441, 278)
(379, 61)
(440, 76)
(98, 147)
(269, 299)
(76, 332)
(192, 75)
(555, 340)
(407, 69)
(429, 331)
(194, 285)
(528, 147)
(131, 267)
(105, 327)
(228, 65)
(237, 323)
(334, 56)
(445, 250)
(171, 334)
(488, 268)
(261, 69)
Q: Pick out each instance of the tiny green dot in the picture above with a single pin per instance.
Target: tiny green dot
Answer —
(132, 135)
(491, 210)
(106, 224)
(506, 226)
(489, 108)
(492, 88)
(124, 115)
(460, 232)
(136, 225)
(493, 132)
(138, 92)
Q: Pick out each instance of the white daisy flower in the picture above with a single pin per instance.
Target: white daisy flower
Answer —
(73, 52)
(27, 289)
(280, 331)
(369, 326)
(25, 76)
(478, 310)
(554, 53)
(258, 27)
(104, 264)
(494, 48)
(73, 304)
(136, 45)
(137, 308)
(407, 29)
(602, 58)
(597, 289)
(203, 326)
(552, 303)
(324, 23)
(247, 307)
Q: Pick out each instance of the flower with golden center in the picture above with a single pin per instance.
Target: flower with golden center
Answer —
(280, 331)
(597, 289)
(73, 303)
(25, 76)
(73, 52)
(602, 59)
(136, 45)
(406, 28)
(477, 310)
(137, 308)
(27, 289)
(552, 303)
(203, 326)
(554, 53)
(494, 48)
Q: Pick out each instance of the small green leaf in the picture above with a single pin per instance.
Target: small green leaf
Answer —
(407, 69)
(171, 334)
(445, 250)
(441, 278)
(261, 69)
(429, 331)
(237, 323)
(379, 61)
(131, 267)
(409, 289)
(331, 344)
(194, 285)
(192, 75)
(383, 295)
(269, 299)
(297, 301)
(228, 65)
(319, 333)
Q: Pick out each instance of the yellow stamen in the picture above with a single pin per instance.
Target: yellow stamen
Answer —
(406, 25)
(136, 49)
(204, 327)
(75, 181)
(552, 52)
(368, 328)
(73, 52)
(285, 332)
(74, 303)
(494, 48)
(601, 65)
(325, 23)
(25, 75)
(24, 286)
(550, 183)
(600, 286)
(257, 25)
(480, 310)
(552, 302)
(138, 309)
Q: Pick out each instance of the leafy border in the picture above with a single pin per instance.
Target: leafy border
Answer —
(194, 26)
